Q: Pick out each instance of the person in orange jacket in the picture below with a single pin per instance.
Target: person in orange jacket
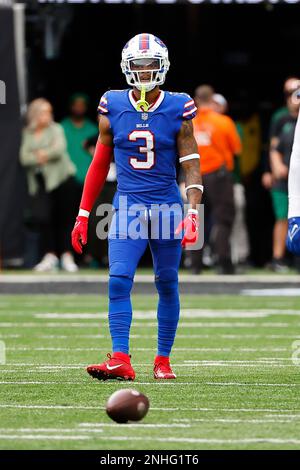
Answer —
(218, 142)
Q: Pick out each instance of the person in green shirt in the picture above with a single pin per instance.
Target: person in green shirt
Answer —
(78, 129)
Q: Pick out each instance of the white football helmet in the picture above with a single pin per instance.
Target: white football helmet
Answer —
(145, 61)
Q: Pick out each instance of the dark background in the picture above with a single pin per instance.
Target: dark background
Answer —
(245, 51)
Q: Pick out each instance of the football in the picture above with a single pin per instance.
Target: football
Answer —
(127, 405)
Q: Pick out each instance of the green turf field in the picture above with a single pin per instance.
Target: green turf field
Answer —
(237, 386)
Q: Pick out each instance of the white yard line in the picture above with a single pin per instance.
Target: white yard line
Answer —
(236, 421)
(196, 409)
(251, 384)
(141, 324)
(50, 437)
(42, 430)
(188, 364)
(154, 384)
(237, 349)
(254, 440)
(178, 336)
(132, 425)
(9, 336)
(184, 313)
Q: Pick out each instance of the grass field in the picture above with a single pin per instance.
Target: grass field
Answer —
(237, 386)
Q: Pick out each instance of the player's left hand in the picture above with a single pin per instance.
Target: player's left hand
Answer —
(190, 226)
(293, 236)
(79, 233)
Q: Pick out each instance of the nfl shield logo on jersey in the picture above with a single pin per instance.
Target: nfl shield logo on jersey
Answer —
(144, 116)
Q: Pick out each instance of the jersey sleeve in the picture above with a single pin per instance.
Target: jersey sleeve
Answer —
(189, 108)
(280, 147)
(103, 104)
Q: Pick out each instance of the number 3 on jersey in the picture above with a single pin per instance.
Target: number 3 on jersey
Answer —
(148, 149)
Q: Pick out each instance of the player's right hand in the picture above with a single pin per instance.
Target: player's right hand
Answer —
(79, 233)
(293, 236)
(190, 227)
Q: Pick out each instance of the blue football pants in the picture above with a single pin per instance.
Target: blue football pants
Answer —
(124, 256)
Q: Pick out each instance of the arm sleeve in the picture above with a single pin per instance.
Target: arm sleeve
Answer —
(294, 175)
(189, 110)
(280, 147)
(275, 127)
(103, 104)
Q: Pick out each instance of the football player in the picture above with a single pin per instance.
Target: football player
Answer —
(293, 237)
(147, 129)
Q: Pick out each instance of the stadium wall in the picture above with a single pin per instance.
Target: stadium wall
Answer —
(10, 131)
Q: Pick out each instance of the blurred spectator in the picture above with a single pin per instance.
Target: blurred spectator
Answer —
(217, 141)
(258, 201)
(50, 184)
(220, 104)
(281, 149)
(239, 237)
(78, 129)
(278, 120)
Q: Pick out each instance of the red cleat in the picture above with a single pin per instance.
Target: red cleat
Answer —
(162, 368)
(117, 367)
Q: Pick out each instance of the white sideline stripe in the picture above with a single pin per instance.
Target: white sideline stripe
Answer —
(283, 292)
(149, 324)
(45, 437)
(292, 279)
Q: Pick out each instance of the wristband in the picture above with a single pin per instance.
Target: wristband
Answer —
(195, 186)
(192, 156)
(83, 213)
(193, 211)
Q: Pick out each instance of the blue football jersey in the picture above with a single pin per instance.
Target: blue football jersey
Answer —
(145, 144)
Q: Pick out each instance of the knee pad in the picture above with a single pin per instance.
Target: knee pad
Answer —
(166, 275)
(119, 287)
(166, 281)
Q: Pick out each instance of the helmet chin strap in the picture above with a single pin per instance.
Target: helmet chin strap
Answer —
(142, 104)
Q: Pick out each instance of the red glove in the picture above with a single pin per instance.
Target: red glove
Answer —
(79, 233)
(190, 225)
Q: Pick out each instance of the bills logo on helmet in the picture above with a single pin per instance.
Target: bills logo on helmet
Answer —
(159, 41)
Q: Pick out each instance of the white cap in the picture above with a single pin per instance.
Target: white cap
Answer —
(220, 99)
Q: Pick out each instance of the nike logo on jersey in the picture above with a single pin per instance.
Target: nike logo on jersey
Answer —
(113, 367)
